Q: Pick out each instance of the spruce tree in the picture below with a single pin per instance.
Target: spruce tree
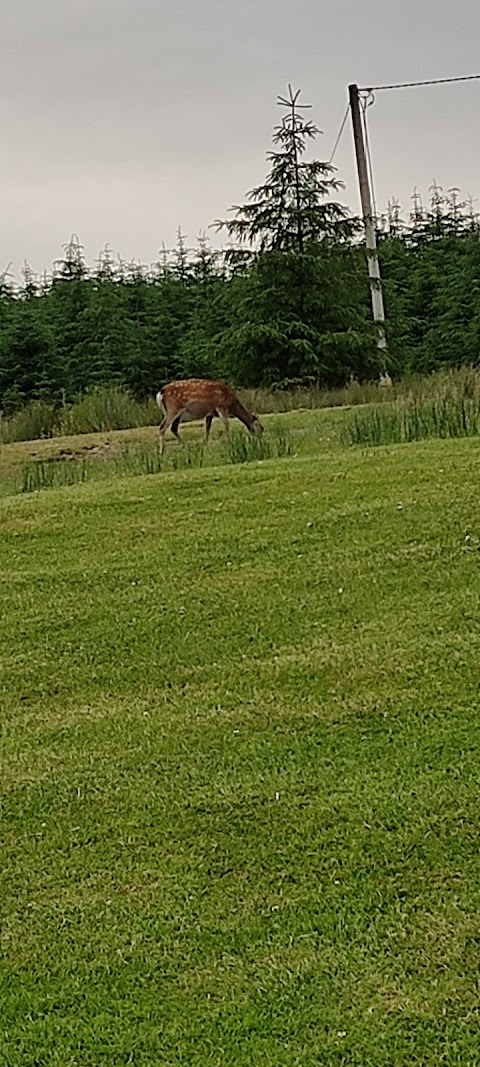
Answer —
(290, 209)
(301, 311)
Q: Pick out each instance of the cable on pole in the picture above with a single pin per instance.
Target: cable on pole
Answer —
(412, 85)
(337, 142)
(367, 100)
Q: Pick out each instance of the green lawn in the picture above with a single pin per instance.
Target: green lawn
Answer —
(241, 764)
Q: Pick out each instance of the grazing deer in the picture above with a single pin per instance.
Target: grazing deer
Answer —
(198, 398)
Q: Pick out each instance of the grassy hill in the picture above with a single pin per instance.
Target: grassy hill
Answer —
(240, 762)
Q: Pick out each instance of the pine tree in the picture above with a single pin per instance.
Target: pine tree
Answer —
(290, 208)
(290, 323)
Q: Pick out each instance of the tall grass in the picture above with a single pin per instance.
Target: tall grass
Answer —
(37, 419)
(241, 448)
(414, 420)
(456, 382)
(52, 475)
(145, 458)
(105, 409)
(268, 401)
(101, 410)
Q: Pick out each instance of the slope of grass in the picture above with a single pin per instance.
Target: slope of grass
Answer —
(240, 752)
(60, 461)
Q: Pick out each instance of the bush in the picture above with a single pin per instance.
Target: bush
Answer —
(107, 408)
(37, 419)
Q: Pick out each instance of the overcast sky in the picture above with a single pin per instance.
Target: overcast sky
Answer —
(122, 120)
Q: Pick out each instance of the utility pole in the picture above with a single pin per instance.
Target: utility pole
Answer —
(368, 220)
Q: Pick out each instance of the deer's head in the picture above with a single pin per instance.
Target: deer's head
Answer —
(256, 426)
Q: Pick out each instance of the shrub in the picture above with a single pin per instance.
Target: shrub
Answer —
(107, 408)
(35, 420)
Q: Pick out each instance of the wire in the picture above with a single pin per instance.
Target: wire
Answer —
(411, 85)
(342, 127)
(399, 85)
(366, 102)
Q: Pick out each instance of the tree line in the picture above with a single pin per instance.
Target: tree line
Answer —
(286, 302)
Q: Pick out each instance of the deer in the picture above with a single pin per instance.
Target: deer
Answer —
(198, 398)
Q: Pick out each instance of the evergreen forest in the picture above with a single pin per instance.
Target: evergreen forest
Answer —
(284, 302)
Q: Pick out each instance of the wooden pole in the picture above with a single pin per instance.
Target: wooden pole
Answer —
(368, 221)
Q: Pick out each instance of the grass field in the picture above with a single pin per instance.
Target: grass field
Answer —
(240, 761)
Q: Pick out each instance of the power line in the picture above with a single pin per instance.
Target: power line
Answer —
(342, 127)
(411, 85)
(365, 104)
(401, 85)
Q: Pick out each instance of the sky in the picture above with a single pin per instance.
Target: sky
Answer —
(123, 120)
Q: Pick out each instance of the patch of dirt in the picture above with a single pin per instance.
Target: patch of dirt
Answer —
(102, 451)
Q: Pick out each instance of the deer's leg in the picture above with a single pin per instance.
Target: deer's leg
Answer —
(223, 416)
(169, 422)
(163, 429)
(208, 427)
(175, 425)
